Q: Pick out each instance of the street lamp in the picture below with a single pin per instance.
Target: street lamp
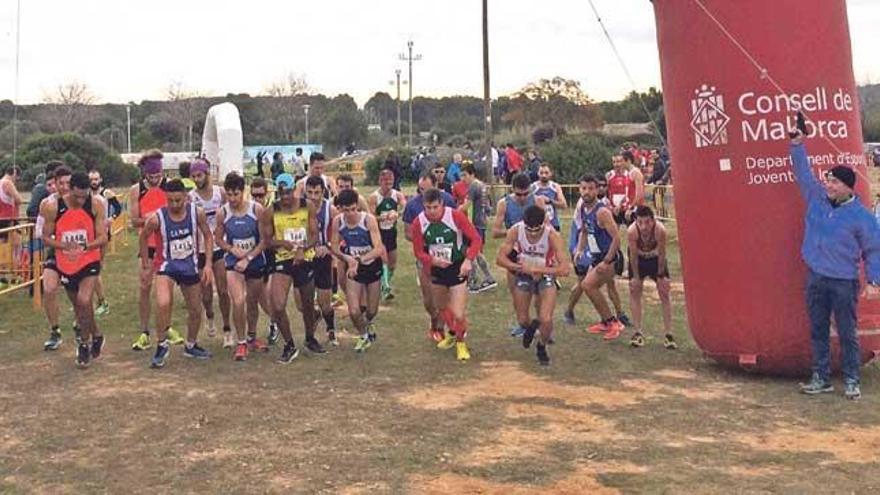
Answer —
(306, 110)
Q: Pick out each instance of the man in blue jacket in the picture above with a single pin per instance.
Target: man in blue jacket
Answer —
(839, 233)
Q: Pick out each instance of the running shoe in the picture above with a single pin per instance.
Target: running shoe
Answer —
(852, 391)
(163, 351)
(338, 300)
(624, 319)
(615, 328)
(97, 346)
(669, 342)
(516, 331)
(816, 386)
(461, 351)
(196, 352)
(102, 309)
(289, 353)
(83, 353)
(314, 346)
(598, 328)
(174, 337)
(543, 357)
(256, 345)
(473, 289)
(637, 340)
(272, 339)
(54, 340)
(363, 343)
(487, 285)
(568, 316)
(142, 342)
(447, 343)
(331, 338)
(529, 334)
(212, 330)
(241, 352)
(435, 334)
(228, 340)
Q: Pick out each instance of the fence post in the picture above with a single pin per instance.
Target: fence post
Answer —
(37, 260)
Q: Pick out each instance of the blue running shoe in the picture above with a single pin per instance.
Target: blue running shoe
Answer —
(624, 319)
(196, 352)
(161, 356)
(517, 331)
(568, 316)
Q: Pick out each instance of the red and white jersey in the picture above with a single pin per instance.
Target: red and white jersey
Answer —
(538, 253)
(621, 188)
(7, 203)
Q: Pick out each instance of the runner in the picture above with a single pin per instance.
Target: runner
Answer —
(357, 242)
(413, 209)
(243, 237)
(322, 264)
(622, 187)
(555, 199)
(60, 180)
(386, 203)
(75, 227)
(113, 209)
(260, 195)
(293, 226)
(541, 260)
(472, 205)
(646, 239)
(316, 169)
(345, 182)
(145, 198)
(10, 199)
(599, 236)
(210, 198)
(181, 226)
(446, 243)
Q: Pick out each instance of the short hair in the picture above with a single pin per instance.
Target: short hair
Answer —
(276, 155)
(93, 171)
(534, 215)
(233, 182)
(315, 181)
(628, 156)
(545, 165)
(12, 170)
(387, 168)
(80, 180)
(299, 150)
(588, 178)
(51, 176)
(469, 169)
(644, 212)
(429, 176)
(183, 170)
(259, 183)
(344, 178)
(432, 195)
(438, 165)
(52, 165)
(347, 198)
(174, 185)
(152, 153)
(316, 156)
(63, 171)
(521, 181)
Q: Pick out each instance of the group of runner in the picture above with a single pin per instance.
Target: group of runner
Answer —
(321, 237)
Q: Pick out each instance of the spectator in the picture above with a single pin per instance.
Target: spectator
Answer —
(439, 173)
(261, 155)
(534, 165)
(277, 167)
(299, 165)
(183, 171)
(10, 200)
(453, 173)
(501, 166)
(38, 193)
(876, 154)
(393, 163)
(514, 162)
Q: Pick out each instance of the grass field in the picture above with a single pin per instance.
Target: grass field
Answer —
(407, 418)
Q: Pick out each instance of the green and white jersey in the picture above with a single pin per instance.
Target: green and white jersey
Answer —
(384, 206)
(443, 239)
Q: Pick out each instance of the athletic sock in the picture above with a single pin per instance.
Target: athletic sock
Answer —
(330, 320)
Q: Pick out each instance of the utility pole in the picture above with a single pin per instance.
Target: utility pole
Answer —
(128, 125)
(487, 98)
(306, 110)
(397, 73)
(410, 58)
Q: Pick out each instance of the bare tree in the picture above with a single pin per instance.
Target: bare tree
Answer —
(68, 106)
(284, 107)
(557, 102)
(185, 107)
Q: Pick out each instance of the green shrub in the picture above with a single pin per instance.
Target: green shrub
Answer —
(576, 154)
(79, 153)
(374, 164)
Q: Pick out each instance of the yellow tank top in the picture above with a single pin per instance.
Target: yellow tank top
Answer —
(293, 227)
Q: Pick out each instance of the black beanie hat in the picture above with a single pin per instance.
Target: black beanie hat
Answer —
(845, 175)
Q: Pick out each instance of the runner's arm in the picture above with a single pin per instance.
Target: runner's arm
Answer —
(475, 242)
(562, 268)
(205, 229)
(498, 230)
(606, 221)
(265, 234)
(376, 239)
(418, 242)
(100, 225)
(372, 203)
(49, 211)
(504, 251)
(560, 201)
(313, 226)
(639, 179)
(335, 249)
(134, 208)
(220, 232)
(632, 238)
(661, 249)
(150, 226)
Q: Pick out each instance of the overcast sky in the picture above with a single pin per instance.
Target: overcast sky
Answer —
(131, 50)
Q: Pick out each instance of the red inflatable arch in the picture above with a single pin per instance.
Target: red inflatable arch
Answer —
(740, 216)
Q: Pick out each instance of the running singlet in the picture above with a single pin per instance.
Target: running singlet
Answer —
(243, 232)
(515, 211)
(384, 206)
(537, 254)
(326, 185)
(621, 188)
(151, 199)
(211, 206)
(647, 248)
(180, 255)
(548, 192)
(443, 239)
(292, 227)
(357, 241)
(598, 239)
(75, 225)
(7, 204)
(324, 223)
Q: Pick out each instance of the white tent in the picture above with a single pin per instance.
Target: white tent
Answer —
(222, 141)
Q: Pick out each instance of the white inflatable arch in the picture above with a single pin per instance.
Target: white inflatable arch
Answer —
(222, 140)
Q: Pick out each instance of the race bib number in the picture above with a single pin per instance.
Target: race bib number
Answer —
(592, 244)
(245, 244)
(617, 199)
(358, 251)
(181, 249)
(295, 236)
(211, 216)
(441, 251)
(386, 221)
(75, 236)
(551, 212)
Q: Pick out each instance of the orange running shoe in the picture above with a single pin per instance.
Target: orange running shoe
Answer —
(241, 352)
(435, 334)
(598, 328)
(614, 330)
(257, 345)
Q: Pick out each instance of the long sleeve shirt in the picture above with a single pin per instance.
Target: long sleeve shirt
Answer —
(836, 237)
(469, 233)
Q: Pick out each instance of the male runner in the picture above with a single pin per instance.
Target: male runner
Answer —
(547, 188)
(345, 182)
(540, 261)
(293, 228)
(316, 169)
(472, 206)
(646, 241)
(446, 243)
(60, 182)
(322, 264)
(413, 209)
(260, 194)
(386, 203)
(75, 227)
(113, 209)
(626, 187)
(598, 236)
(210, 197)
(181, 226)
(144, 199)
(357, 242)
(243, 237)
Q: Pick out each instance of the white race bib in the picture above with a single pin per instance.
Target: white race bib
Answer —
(385, 222)
(181, 249)
(296, 236)
(593, 245)
(617, 199)
(441, 251)
(75, 236)
(358, 251)
(245, 244)
(551, 212)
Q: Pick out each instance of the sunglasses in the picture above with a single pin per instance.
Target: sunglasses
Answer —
(521, 194)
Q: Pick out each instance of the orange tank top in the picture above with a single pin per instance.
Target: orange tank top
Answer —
(150, 199)
(75, 225)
